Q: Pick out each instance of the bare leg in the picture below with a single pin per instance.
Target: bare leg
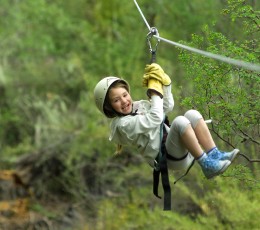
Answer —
(196, 138)
(211, 167)
(203, 135)
(190, 141)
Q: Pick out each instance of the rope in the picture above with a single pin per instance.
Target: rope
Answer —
(239, 63)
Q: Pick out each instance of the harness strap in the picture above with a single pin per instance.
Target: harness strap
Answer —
(162, 168)
(192, 163)
(172, 158)
(165, 183)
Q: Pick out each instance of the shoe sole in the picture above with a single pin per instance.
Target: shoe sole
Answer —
(236, 151)
(223, 169)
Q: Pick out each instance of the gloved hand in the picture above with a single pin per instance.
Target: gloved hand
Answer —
(155, 71)
(155, 86)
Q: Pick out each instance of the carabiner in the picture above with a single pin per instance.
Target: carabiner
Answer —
(153, 31)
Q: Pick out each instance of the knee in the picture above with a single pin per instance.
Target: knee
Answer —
(193, 116)
(180, 124)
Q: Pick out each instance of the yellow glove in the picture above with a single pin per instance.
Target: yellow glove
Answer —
(154, 86)
(155, 71)
(145, 81)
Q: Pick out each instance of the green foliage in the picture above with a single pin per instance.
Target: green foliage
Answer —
(226, 202)
(241, 10)
(228, 95)
(220, 202)
(54, 52)
(40, 209)
(136, 216)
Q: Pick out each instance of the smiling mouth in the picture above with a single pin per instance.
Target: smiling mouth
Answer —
(125, 107)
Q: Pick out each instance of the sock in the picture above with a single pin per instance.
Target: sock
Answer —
(202, 156)
(212, 149)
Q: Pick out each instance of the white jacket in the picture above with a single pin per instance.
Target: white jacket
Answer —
(143, 129)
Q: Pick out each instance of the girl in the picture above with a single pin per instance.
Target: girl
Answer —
(138, 123)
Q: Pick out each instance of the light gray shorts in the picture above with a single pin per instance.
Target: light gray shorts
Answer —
(174, 144)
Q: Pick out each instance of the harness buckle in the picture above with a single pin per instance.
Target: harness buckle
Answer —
(156, 165)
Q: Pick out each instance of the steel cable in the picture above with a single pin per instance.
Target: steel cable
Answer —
(239, 63)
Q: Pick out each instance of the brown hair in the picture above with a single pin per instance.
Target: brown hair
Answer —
(108, 110)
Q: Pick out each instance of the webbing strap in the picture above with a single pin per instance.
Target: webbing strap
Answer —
(165, 182)
(156, 179)
(162, 168)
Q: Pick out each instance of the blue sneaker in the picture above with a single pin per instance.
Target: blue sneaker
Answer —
(216, 154)
(212, 167)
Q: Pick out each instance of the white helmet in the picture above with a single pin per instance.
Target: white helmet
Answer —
(101, 89)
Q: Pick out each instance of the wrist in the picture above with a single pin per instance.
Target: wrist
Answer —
(155, 88)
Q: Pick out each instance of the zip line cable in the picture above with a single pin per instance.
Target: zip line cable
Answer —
(229, 60)
(243, 64)
(140, 11)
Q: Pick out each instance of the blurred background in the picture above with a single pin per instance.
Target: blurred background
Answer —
(58, 169)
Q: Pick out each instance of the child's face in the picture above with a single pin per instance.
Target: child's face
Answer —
(120, 100)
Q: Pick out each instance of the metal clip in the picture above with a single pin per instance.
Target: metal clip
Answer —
(153, 31)
(156, 165)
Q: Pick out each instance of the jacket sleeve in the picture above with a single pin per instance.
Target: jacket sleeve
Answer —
(168, 101)
(152, 118)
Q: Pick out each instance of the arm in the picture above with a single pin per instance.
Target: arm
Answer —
(144, 122)
(157, 81)
(168, 101)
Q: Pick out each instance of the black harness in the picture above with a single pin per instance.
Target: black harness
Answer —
(161, 167)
